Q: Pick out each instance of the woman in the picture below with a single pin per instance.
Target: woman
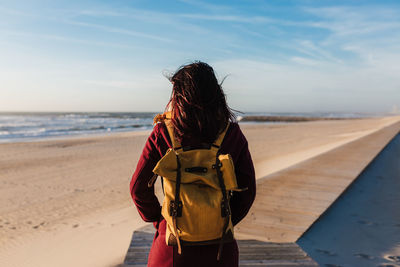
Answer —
(199, 113)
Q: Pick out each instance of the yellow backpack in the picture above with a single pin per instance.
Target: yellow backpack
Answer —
(197, 183)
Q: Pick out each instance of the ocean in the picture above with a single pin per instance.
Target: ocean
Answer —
(23, 126)
(28, 126)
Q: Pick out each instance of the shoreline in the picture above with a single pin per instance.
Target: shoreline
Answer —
(247, 119)
(71, 136)
(94, 135)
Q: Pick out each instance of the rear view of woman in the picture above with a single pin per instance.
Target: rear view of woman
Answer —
(199, 114)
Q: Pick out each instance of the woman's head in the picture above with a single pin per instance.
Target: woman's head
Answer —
(198, 104)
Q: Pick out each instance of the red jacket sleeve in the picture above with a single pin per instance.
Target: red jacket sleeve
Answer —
(241, 201)
(143, 196)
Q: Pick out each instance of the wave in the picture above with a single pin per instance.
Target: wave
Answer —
(27, 126)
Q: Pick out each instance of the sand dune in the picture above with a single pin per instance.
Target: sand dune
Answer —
(66, 202)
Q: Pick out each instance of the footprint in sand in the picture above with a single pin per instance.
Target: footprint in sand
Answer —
(364, 256)
(37, 226)
(393, 258)
(326, 252)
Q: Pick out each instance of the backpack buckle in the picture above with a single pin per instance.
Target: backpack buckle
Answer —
(225, 209)
(175, 208)
(219, 165)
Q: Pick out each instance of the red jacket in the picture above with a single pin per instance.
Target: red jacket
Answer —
(149, 208)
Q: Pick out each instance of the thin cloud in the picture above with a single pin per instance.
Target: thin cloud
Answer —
(99, 13)
(229, 18)
(64, 15)
(120, 31)
(305, 61)
(163, 19)
(14, 12)
(66, 39)
(370, 33)
(355, 21)
(311, 48)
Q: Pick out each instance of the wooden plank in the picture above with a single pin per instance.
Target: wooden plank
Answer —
(139, 248)
(310, 188)
(257, 253)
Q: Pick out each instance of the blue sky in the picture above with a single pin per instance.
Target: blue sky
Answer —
(294, 56)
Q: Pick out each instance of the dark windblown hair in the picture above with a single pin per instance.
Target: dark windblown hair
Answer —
(198, 103)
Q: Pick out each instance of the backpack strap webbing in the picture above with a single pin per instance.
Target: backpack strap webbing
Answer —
(175, 206)
(225, 208)
(217, 143)
(175, 143)
(166, 118)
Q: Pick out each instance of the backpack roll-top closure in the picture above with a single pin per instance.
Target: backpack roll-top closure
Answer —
(167, 168)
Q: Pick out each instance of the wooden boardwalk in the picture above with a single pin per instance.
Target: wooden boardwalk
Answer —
(251, 252)
(288, 203)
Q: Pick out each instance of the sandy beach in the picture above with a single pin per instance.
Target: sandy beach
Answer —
(66, 202)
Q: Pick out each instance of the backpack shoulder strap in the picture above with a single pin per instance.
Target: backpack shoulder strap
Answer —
(220, 138)
(175, 143)
(166, 118)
